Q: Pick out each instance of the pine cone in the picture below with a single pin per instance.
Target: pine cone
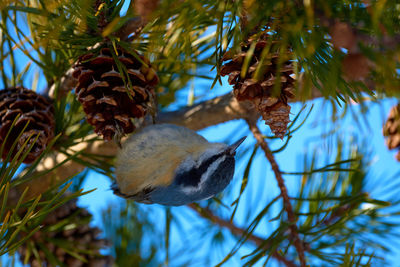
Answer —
(145, 8)
(31, 108)
(356, 67)
(391, 129)
(109, 105)
(81, 238)
(272, 106)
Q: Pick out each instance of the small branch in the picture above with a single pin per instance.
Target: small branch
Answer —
(208, 214)
(61, 173)
(211, 112)
(281, 183)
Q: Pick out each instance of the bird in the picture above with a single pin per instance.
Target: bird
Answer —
(172, 165)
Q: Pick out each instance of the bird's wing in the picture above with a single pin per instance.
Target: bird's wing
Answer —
(142, 196)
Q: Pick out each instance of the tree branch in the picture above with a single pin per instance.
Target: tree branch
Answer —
(281, 183)
(199, 116)
(208, 214)
(211, 112)
(61, 173)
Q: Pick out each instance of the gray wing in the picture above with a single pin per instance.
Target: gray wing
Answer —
(142, 196)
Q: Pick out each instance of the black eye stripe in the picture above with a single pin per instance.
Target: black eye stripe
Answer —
(192, 177)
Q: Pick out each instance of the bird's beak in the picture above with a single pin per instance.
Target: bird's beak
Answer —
(232, 148)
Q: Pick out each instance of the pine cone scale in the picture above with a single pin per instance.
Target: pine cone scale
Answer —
(111, 74)
(107, 100)
(85, 77)
(136, 75)
(101, 60)
(97, 85)
(123, 90)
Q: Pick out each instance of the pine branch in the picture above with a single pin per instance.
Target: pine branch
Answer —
(61, 173)
(235, 230)
(281, 183)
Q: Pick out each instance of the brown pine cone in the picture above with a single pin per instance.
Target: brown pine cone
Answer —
(261, 90)
(343, 36)
(32, 108)
(108, 102)
(76, 236)
(356, 67)
(145, 8)
(391, 129)
(276, 116)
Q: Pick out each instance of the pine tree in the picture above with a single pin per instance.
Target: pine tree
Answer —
(79, 76)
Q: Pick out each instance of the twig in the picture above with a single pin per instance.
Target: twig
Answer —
(208, 214)
(67, 83)
(281, 183)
